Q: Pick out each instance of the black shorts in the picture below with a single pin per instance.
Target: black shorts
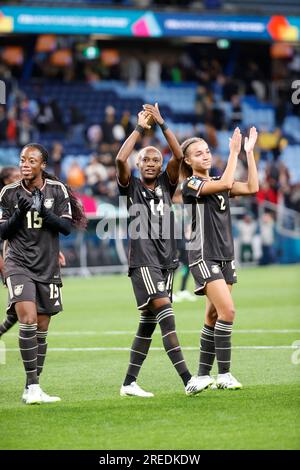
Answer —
(47, 297)
(151, 283)
(206, 271)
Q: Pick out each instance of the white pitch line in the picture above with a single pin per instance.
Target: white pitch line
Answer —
(261, 331)
(124, 332)
(187, 348)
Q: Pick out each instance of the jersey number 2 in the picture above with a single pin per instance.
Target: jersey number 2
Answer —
(33, 220)
(222, 203)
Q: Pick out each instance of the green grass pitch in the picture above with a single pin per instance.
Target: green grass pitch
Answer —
(100, 312)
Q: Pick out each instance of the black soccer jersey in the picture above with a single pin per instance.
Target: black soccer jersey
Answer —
(34, 249)
(211, 222)
(151, 223)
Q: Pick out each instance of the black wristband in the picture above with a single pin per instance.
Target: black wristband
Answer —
(139, 129)
(163, 126)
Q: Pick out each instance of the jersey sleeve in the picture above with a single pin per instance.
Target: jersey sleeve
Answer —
(63, 204)
(5, 211)
(191, 188)
(125, 190)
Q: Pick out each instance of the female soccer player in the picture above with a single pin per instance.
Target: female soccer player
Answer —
(211, 252)
(34, 211)
(152, 254)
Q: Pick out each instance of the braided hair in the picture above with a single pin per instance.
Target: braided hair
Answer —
(79, 219)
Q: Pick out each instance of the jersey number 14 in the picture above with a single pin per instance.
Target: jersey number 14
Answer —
(159, 208)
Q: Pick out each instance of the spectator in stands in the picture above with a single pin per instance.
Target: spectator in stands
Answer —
(247, 228)
(56, 157)
(44, 118)
(3, 124)
(108, 124)
(95, 173)
(266, 193)
(267, 225)
(153, 73)
(75, 176)
(126, 123)
(236, 112)
(94, 136)
(26, 131)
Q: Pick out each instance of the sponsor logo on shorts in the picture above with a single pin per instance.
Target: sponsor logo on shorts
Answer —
(161, 286)
(48, 203)
(215, 269)
(18, 289)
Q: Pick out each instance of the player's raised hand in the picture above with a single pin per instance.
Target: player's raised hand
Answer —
(143, 118)
(235, 142)
(154, 112)
(24, 204)
(250, 141)
(37, 200)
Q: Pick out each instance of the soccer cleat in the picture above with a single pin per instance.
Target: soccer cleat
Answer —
(33, 396)
(134, 390)
(206, 381)
(197, 384)
(47, 398)
(25, 393)
(44, 397)
(184, 295)
(228, 381)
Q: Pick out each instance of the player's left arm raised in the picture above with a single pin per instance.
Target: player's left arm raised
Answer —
(251, 186)
(173, 166)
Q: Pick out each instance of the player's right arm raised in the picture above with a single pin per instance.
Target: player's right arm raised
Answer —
(123, 169)
(227, 179)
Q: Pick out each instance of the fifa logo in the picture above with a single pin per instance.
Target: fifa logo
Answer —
(296, 94)
(2, 92)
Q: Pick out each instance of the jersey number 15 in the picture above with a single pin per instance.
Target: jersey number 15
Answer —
(34, 220)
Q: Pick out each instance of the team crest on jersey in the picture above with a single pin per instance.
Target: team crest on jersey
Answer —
(158, 191)
(215, 268)
(194, 183)
(161, 286)
(48, 203)
(18, 289)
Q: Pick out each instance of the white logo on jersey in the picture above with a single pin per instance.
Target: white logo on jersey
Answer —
(158, 191)
(48, 203)
(19, 289)
(56, 303)
(215, 268)
(161, 286)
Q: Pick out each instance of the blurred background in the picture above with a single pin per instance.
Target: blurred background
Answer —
(77, 72)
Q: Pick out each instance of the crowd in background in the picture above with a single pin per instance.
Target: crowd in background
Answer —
(24, 119)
